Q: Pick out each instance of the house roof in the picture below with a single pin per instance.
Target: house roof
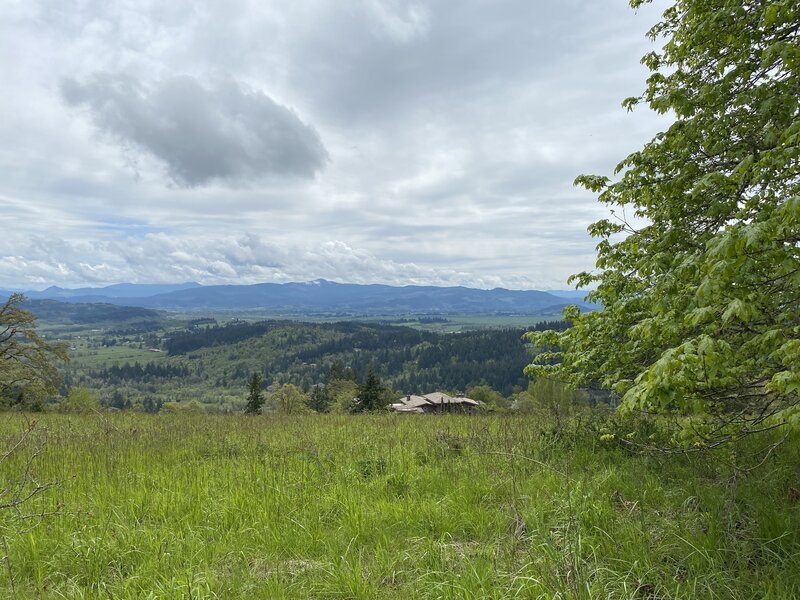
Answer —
(438, 398)
(414, 401)
(465, 400)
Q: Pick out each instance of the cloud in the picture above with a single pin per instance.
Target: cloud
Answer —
(202, 133)
(249, 258)
(452, 134)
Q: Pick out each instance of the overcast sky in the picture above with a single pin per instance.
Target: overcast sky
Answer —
(369, 141)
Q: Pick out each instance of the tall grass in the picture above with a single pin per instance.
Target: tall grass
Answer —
(384, 506)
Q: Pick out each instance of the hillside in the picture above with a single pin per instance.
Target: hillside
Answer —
(211, 364)
(55, 312)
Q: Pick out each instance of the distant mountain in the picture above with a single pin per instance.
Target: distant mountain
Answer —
(118, 290)
(575, 296)
(319, 296)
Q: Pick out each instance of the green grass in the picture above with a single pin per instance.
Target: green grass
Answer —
(458, 323)
(84, 357)
(178, 506)
(455, 322)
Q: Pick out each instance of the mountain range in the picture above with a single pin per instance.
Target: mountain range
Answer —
(320, 296)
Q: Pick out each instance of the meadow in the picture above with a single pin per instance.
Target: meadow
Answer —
(385, 506)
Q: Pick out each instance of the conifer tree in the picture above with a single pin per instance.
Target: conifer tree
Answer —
(370, 393)
(255, 398)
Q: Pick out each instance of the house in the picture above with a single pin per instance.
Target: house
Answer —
(435, 402)
(411, 404)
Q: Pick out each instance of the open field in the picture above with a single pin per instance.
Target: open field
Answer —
(440, 323)
(182, 506)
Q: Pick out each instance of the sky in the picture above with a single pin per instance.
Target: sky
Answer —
(363, 141)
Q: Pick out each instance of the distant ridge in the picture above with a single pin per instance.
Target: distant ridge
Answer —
(317, 296)
(118, 290)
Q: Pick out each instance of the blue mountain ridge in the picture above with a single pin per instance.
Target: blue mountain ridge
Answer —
(316, 296)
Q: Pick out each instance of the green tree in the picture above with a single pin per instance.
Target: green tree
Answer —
(289, 400)
(119, 401)
(28, 371)
(342, 393)
(79, 400)
(701, 289)
(549, 396)
(370, 392)
(488, 395)
(255, 399)
(338, 372)
(319, 400)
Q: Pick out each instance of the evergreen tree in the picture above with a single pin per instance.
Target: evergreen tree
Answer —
(255, 399)
(119, 401)
(320, 399)
(370, 393)
(336, 372)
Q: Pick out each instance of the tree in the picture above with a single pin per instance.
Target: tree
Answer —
(79, 400)
(549, 396)
(289, 400)
(338, 372)
(701, 290)
(320, 399)
(489, 396)
(342, 393)
(370, 393)
(151, 404)
(119, 401)
(255, 399)
(27, 363)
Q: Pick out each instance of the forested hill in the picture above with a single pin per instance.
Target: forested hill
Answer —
(408, 359)
(53, 311)
(212, 364)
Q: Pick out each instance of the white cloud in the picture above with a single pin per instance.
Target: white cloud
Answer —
(452, 134)
(245, 259)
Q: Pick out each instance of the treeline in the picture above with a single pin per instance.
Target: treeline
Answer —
(183, 343)
(54, 311)
(137, 372)
(407, 359)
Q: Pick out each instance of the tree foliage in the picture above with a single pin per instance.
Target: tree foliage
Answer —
(371, 392)
(27, 362)
(701, 303)
(319, 400)
(489, 396)
(255, 398)
(288, 399)
(79, 400)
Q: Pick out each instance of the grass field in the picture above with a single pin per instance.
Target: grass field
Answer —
(180, 506)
